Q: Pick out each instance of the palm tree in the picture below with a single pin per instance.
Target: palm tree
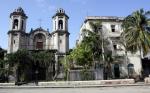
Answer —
(135, 34)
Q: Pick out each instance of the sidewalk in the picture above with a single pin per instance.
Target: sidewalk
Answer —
(67, 84)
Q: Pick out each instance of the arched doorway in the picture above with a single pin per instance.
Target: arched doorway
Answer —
(130, 70)
(39, 41)
(116, 71)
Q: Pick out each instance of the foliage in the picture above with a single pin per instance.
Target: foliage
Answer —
(3, 70)
(66, 62)
(135, 34)
(20, 58)
(20, 62)
(43, 57)
(90, 49)
(86, 75)
(82, 55)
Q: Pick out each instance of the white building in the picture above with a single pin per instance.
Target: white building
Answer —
(111, 29)
(39, 39)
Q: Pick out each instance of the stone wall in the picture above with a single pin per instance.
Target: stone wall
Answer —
(87, 83)
(78, 75)
(147, 80)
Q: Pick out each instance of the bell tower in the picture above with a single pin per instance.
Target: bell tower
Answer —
(18, 20)
(60, 37)
(17, 30)
(60, 20)
(60, 31)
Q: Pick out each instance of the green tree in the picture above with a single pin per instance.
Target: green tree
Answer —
(99, 45)
(81, 55)
(45, 59)
(135, 35)
(67, 63)
(91, 48)
(20, 62)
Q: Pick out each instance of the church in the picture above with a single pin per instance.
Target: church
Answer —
(39, 38)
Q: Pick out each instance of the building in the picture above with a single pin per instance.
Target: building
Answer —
(111, 29)
(39, 39)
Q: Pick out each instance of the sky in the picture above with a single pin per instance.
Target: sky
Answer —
(77, 10)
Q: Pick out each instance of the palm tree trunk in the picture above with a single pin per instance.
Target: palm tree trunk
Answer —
(141, 56)
(126, 62)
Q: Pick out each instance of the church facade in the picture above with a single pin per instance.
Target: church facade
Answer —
(39, 39)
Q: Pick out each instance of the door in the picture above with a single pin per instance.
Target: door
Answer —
(116, 71)
(39, 45)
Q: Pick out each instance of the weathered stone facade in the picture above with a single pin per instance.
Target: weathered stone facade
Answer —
(111, 30)
(39, 39)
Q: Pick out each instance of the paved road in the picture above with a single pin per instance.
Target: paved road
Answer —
(129, 89)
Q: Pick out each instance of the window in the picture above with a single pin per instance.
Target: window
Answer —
(130, 69)
(100, 28)
(113, 28)
(60, 41)
(60, 11)
(15, 24)
(39, 36)
(14, 41)
(60, 24)
(115, 47)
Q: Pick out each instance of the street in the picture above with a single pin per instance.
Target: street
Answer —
(122, 89)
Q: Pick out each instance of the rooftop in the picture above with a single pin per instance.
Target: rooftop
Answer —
(104, 18)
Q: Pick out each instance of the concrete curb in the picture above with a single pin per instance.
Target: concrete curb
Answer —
(85, 86)
(78, 84)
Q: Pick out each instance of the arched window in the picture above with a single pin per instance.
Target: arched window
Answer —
(15, 24)
(60, 24)
(39, 41)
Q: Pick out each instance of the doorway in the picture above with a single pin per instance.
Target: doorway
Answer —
(146, 67)
(116, 71)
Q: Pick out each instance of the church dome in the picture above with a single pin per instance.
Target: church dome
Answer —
(19, 11)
